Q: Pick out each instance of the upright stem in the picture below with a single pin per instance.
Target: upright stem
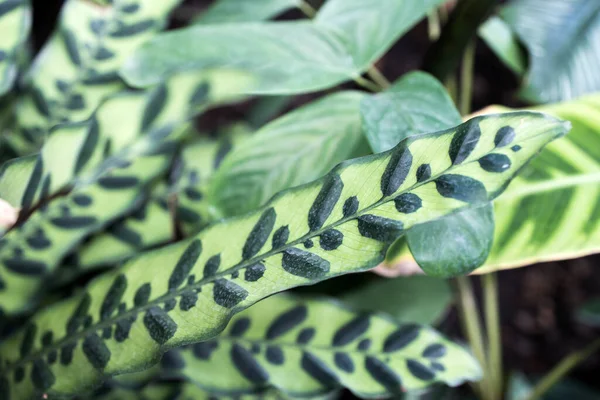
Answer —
(433, 23)
(466, 79)
(471, 325)
(492, 325)
(377, 77)
(562, 369)
(307, 9)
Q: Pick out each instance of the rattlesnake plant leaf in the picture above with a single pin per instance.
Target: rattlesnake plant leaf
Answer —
(551, 212)
(15, 23)
(152, 224)
(415, 104)
(76, 151)
(345, 38)
(310, 347)
(244, 11)
(77, 67)
(561, 37)
(341, 223)
(292, 150)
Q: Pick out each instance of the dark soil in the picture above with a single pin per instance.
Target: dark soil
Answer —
(538, 303)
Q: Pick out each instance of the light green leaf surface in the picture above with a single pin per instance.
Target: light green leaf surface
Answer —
(339, 224)
(15, 23)
(562, 37)
(77, 67)
(417, 103)
(412, 299)
(294, 149)
(503, 41)
(305, 348)
(287, 57)
(33, 251)
(551, 212)
(244, 11)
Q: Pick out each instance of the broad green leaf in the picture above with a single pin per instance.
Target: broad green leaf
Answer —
(292, 150)
(589, 312)
(415, 104)
(77, 68)
(311, 347)
(503, 41)
(244, 11)
(370, 27)
(415, 299)
(286, 57)
(550, 211)
(182, 391)
(454, 245)
(341, 223)
(33, 251)
(15, 23)
(562, 38)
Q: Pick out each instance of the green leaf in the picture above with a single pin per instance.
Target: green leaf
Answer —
(33, 251)
(560, 36)
(77, 67)
(244, 11)
(15, 23)
(503, 41)
(550, 211)
(311, 347)
(187, 292)
(589, 312)
(370, 27)
(292, 150)
(417, 103)
(414, 299)
(462, 242)
(286, 57)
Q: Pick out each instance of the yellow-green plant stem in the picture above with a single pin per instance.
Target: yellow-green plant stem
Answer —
(433, 24)
(379, 82)
(562, 369)
(307, 9)
(492, 326)
(472, 328)
(466, 79)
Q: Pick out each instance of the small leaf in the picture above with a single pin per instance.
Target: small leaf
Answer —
(502, 40)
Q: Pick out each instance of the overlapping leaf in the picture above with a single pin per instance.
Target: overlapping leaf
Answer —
(341, 223)
(292, 150)
(244, 11)
(15, 22)
(563, 38)
(288, 57)
(312, 347)
(33, 251)
(77, 68)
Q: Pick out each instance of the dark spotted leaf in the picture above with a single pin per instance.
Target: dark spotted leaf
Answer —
(15, 23)
(344, 39)
(560, 37)
(187, 292)
(77, 67)
(292, 150)
(308, 347)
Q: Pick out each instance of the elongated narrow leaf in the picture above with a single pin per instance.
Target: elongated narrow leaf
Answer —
(292, 150)
(551, 211)
(15, 22)
(412, 299)
(77, 68)
(76, 151)
(286, 57)
(311, 347)
(416, 104)
(341, 223)
(562, 38)
(244, 11)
